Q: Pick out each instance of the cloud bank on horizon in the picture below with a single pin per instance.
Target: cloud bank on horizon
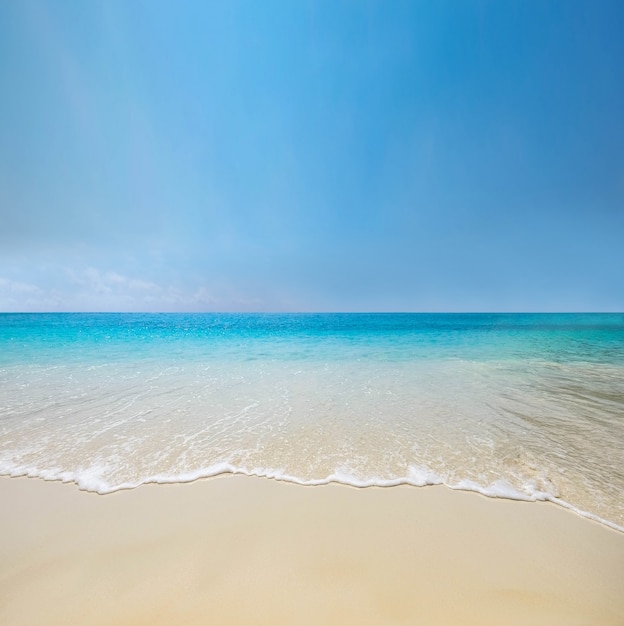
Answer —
(320, 156)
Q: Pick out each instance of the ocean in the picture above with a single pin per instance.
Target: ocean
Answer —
(520, 406)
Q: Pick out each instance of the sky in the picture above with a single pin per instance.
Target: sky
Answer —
(312, 156)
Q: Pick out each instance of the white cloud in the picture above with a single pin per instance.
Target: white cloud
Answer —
(52, 287)
(17, 287)
(16, 295)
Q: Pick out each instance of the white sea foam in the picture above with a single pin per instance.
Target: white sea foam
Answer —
(90, 480)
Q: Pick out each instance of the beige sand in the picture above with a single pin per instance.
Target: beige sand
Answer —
(238, 550)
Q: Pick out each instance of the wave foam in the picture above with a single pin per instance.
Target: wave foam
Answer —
(91, 480)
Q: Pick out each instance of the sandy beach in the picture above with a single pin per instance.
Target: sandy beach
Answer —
(240, 550)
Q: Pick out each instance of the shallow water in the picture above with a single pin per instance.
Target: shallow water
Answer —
(518, 406)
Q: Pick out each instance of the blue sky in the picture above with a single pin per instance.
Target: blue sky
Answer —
(413, 156)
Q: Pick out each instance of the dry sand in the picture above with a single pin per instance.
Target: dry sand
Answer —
(239, 550)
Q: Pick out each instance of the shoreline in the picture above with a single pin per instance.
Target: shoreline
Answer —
(239, 550)
(495, 491)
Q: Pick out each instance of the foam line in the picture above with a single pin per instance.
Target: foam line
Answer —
(417, 477)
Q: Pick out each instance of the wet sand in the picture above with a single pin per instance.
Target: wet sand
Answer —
(240, 550)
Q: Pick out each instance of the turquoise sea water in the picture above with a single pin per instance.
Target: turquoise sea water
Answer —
(526, 406)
